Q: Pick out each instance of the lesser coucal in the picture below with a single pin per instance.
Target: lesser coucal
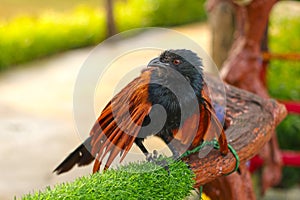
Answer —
(169, 99)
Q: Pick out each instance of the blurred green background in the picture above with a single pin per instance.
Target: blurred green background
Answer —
(33, 29)
(283, 78)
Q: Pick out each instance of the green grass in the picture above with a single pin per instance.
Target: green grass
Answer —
(133, 181)
(27, 38)
(32, 36)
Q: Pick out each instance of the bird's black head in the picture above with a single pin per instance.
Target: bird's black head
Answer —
(184, 61)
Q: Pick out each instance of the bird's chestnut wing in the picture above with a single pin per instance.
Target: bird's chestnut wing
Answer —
(120, 122)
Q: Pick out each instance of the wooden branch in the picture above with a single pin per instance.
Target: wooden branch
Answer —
(250, 122)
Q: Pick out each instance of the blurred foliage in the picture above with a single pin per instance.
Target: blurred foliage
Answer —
(131, 14)
(289, 133)
(284, 83)
(283, 79)
(26, 38)
(141, 13)
(175, 12)
(290, 177)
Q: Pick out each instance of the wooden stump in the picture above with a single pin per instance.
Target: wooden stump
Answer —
(234, 187)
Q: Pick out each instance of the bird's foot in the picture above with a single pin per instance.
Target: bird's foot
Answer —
(157, 159)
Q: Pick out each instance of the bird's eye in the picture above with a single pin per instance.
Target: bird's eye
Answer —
(176, 61)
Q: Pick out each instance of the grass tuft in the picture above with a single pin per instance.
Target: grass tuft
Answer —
(142, 180)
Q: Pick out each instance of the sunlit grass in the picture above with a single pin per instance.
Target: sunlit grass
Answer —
(26, 38)
(29, 37)
(283, 76)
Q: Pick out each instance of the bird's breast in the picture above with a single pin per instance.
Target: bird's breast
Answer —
(177, 108)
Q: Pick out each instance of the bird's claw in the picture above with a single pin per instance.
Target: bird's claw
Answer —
(152, 157)
(155, 158)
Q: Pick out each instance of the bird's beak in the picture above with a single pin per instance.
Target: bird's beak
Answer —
(156, 63)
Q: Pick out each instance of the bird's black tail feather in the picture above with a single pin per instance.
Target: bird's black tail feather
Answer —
(80, 156)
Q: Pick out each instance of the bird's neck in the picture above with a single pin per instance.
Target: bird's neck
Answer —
(197, 83)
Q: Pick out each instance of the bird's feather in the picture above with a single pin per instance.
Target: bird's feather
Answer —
(203, 125)
(215, 129)
(121, 121)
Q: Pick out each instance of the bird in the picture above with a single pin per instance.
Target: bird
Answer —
(169, 99)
